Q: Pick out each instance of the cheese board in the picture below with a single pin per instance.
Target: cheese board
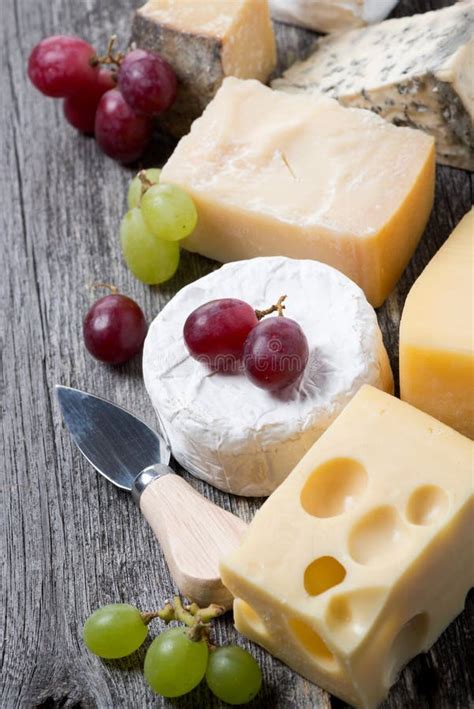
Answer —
(81, 547)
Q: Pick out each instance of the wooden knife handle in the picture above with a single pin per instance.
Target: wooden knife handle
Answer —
(194, 535)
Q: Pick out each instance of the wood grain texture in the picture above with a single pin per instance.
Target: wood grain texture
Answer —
(70, 541)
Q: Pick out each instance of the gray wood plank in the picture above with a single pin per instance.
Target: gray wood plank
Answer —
(71, 542)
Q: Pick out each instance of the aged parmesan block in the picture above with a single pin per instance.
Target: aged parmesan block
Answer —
(274, 174)
(437, 334)
(331, 15)
(205, 41)
(363, 555)
(414, 71)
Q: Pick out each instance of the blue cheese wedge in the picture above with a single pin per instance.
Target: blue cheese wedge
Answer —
(331, 15)
(414, 71)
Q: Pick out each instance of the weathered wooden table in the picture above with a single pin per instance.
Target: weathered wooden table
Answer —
(71, 541)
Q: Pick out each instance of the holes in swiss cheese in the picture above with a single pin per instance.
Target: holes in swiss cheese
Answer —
(353, 613)
(312, 642)
(248, 615)
(378, 538)
(427, 505)
(408, 643)
(334, 487)
(322, 574)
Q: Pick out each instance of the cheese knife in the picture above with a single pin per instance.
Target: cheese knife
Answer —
(194, 534)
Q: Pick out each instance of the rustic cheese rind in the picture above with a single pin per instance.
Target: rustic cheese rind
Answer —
(275, 174)
(414, 71)
(221, 427)
(205, 42)
(437, 334)
(363, 556)
(331, 15)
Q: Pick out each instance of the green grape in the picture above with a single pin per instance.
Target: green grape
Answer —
(233, 675)
(169, 212)
(174, 664)
(151, 260)
(114, 631)
(135, 190)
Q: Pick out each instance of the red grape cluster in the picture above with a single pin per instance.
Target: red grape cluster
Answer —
(228, 333)
(116, 102)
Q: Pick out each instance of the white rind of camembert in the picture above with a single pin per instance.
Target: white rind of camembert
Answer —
(414, 71)
(221, 427)
(331, 15)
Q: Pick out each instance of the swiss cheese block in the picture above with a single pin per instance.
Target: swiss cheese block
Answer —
(363, 556)
(221, 427)
(276, 174)
(437, 334)
(414, 71)
(204, 41)
(331, 15)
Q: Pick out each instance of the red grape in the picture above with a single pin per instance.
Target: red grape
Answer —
(215, 332)
(60, 66)
(119, 131)
(114, 329)
(276, 353)
(133, 56)
(106, 79)
(147, 82)
(80, 109)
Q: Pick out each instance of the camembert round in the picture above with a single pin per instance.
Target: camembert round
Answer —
(222, 428)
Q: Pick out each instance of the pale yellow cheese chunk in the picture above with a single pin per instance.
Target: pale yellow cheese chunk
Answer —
(437, 334)
(363, 555)
(300, 176)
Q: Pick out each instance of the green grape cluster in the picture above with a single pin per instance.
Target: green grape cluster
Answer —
(178, 659)
(159, 216)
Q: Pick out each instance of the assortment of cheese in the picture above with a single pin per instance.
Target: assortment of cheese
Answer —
(360, 557)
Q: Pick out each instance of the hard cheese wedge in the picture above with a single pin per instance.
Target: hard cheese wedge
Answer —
(331, 15)
(437, 334)
(363, 556)
(274, 174)
(415, 71)
(204, 41)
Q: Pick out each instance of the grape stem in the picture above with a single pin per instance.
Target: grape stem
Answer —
(277, 308)
(110, 57)
(195, 618)
(146, 182)
(113, 289)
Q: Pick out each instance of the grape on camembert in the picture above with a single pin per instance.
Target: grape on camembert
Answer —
(227, 335)
(307, 363)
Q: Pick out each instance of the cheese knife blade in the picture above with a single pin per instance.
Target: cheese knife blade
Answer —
(193, 532)
(117, 443)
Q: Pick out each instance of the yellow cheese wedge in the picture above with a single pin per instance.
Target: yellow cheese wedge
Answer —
(437, 334)
(300, 176)
(363, 555)
(204, 41)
